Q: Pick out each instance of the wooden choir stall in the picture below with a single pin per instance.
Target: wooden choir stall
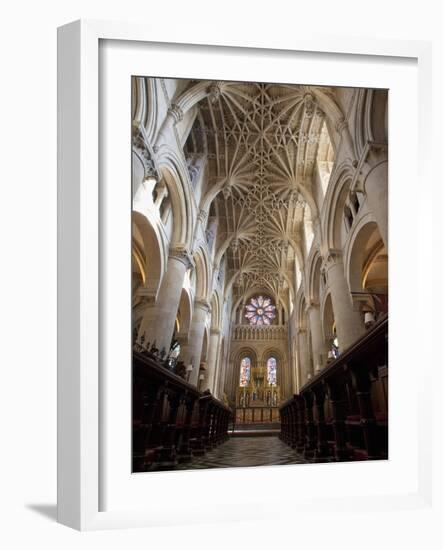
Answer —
(341, 413)
(172, 420)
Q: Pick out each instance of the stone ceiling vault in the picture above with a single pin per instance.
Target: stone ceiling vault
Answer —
(261, 143)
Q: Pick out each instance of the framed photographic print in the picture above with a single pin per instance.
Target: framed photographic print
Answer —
(231, 271)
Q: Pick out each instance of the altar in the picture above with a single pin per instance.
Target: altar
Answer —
(258, 396)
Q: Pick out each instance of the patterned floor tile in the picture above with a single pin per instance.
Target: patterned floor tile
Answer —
(246, 451)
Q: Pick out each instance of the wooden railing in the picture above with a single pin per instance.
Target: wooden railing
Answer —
(172, 421)
(342, 413)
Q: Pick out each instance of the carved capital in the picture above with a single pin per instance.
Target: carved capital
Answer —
(147, 296)
(145, 152)
(373, 154)
(312, 305)
(215, 331)
(202, 304)
(331, 259)
(182, 255)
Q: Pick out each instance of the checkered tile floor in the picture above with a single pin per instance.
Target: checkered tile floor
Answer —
(246, 451)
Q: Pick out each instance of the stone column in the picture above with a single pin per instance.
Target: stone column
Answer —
(161, 328)
(348, 321)
(374, 179)
(319, 351)
(214, 340)
(303, 354)
(192, 352)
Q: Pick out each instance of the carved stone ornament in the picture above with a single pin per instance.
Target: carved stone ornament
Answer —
(373, 154)
(264, 140)
(147, 297)
(202, 216)
(331, 258)
(202, 304)
(176, 112)
(341, 125)
(145, 152)
(182, 255)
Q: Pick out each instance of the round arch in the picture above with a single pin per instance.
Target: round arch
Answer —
(280, 358)
(300, 309)
(215, 311)
(327, 317)
(334, 203)
(185, 312)
(313, 277)
(364, 236)
(149, 249)
(203, 274)
(176, 178)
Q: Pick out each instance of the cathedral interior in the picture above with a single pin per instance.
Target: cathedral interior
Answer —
(259, 274)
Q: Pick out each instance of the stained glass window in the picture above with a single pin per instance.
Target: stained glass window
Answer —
(245, 371)
(272, 371)
(260, 311)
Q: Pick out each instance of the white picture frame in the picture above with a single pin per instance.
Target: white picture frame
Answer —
(83, 399)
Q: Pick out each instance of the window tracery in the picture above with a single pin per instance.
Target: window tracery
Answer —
(272, 371)
(260, 311)
(245, 371)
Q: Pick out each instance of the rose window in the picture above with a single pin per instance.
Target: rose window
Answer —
(260, 311)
